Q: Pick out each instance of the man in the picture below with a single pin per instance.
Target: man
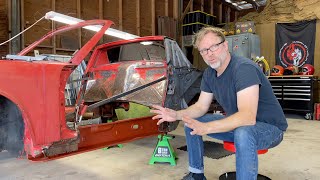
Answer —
(254, 118)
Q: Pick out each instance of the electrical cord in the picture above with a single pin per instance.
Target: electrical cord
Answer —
(21, 32)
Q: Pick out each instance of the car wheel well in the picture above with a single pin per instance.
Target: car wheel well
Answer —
(11, 127)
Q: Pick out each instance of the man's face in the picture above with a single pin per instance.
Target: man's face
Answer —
(212, 50)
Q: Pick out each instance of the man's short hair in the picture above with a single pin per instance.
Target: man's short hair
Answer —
(205, 30)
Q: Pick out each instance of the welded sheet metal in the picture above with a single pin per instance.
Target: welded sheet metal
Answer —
(129, 75)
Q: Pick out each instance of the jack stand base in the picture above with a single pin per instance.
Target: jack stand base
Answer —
(118, 145)
(164, 151)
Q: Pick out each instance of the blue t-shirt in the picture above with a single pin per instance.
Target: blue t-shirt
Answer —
(240, 74)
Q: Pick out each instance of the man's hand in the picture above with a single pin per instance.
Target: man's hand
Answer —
(163, 114)
(198, 128)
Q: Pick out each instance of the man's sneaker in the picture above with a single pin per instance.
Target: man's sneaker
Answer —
(194, 176)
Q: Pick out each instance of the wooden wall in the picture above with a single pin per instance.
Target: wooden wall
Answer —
(4, 27)
(137, 17)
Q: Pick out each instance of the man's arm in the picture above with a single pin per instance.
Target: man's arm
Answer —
(196, 110)
(247, 102)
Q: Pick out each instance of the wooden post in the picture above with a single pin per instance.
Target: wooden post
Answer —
(53, 25)
(236, 13)
(120, 15)
(211, 7)
(175, 9)
(186, 10)
(166, 11)
(9, 25)
(22, 24)
(153, 17)
(100, 9)
(176, 16)
(228, 14)
(79, 16)
(138, 17)
(101, 14)
(220, 12)
(202, 4)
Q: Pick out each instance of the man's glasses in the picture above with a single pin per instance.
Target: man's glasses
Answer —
(213, 48)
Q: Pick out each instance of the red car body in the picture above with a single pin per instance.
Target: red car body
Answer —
(33, 118)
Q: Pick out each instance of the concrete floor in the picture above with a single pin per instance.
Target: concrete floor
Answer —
(296, 158)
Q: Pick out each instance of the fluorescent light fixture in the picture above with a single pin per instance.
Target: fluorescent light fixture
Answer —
(54, 16)
(146, 43)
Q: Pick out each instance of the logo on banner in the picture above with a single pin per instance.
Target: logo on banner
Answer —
(295, 53)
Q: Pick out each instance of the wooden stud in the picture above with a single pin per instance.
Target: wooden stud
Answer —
(120, 15)
(22, 24)
(100, 9)
(220, 12)
(236, 13)
(175, 9)
(228, 14)
(166, 10)
(211, 7)
(176, 16)
(9, 25)
(202, 5)
(153, 17)
(101, 14)
(79, 16)
(185, 10)
(138, 17)
(53, 25)
(191, 6)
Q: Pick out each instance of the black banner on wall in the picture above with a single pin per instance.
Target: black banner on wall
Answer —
(295, 43)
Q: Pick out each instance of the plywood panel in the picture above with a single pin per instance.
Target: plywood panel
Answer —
(111, 11)
(145, 19)
(160, 11)
(68, 7)
(89, 9)
(266, 33)
(34, 10)
(129, 16)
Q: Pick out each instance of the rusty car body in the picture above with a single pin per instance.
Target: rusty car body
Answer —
(35, 121)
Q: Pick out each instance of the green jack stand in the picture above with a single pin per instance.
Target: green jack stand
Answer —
(164, 151)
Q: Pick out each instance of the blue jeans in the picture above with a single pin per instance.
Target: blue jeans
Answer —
(247, 140)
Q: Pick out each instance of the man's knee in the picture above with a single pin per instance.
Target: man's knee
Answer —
(243, 136)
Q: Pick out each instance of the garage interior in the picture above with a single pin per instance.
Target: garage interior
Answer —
(295, 158)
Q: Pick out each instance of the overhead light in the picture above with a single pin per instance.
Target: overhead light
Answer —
(146, 43)
(54, 16)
